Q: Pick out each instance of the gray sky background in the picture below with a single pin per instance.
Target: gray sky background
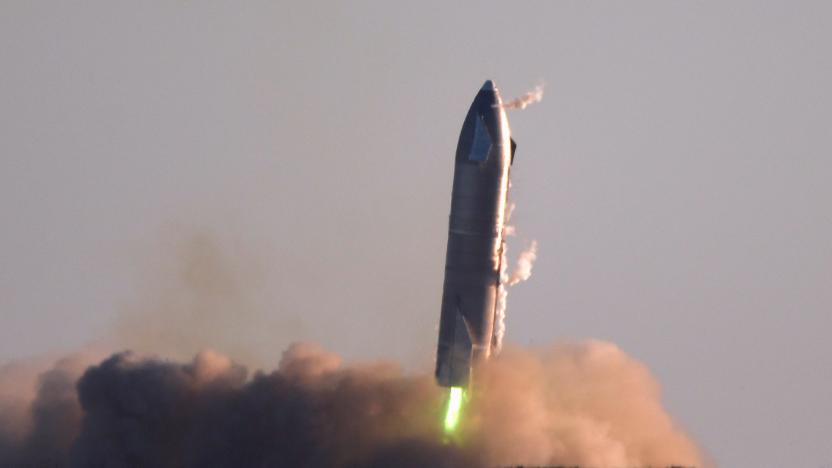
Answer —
(676, 175)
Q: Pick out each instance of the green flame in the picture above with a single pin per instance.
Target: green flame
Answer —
(454, 408)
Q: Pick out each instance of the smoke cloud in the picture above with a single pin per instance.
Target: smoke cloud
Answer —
(39, 412)
(574, 404)
(197, 290)
(532, 97)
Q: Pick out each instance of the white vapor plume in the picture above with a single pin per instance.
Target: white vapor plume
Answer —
(532, 97)
(522, 272)
(502, 294)
(525, 262)
(500, 307)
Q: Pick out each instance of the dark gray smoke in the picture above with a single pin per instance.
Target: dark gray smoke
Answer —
(40, 428)
(143, 412)
(575, 404)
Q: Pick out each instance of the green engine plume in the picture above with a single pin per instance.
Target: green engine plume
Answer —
(455, 398)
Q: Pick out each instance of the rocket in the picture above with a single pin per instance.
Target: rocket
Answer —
(472, 285)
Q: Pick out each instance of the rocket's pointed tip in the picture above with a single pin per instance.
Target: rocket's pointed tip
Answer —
(488, 86)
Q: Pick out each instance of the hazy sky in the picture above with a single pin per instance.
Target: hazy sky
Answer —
(677, 176)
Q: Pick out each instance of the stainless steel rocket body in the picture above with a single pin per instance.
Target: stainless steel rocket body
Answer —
(475, 239)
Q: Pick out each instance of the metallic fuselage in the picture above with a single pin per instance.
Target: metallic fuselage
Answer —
(475, 239)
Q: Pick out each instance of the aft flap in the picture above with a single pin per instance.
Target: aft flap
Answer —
(459, 361)
(513, 147)
(462, 335)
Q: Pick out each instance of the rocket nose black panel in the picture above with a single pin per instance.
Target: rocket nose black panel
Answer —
(486, 101)
(481, 142)
(481, 128)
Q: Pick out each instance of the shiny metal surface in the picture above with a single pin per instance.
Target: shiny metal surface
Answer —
(475, 239)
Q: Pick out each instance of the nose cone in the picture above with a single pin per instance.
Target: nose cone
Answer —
(487, 98)
(491, 93)
(483, 126)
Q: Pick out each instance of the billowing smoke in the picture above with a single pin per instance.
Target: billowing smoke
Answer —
(197, 290)
(532, 97)
(586, 403)
(39, 412)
